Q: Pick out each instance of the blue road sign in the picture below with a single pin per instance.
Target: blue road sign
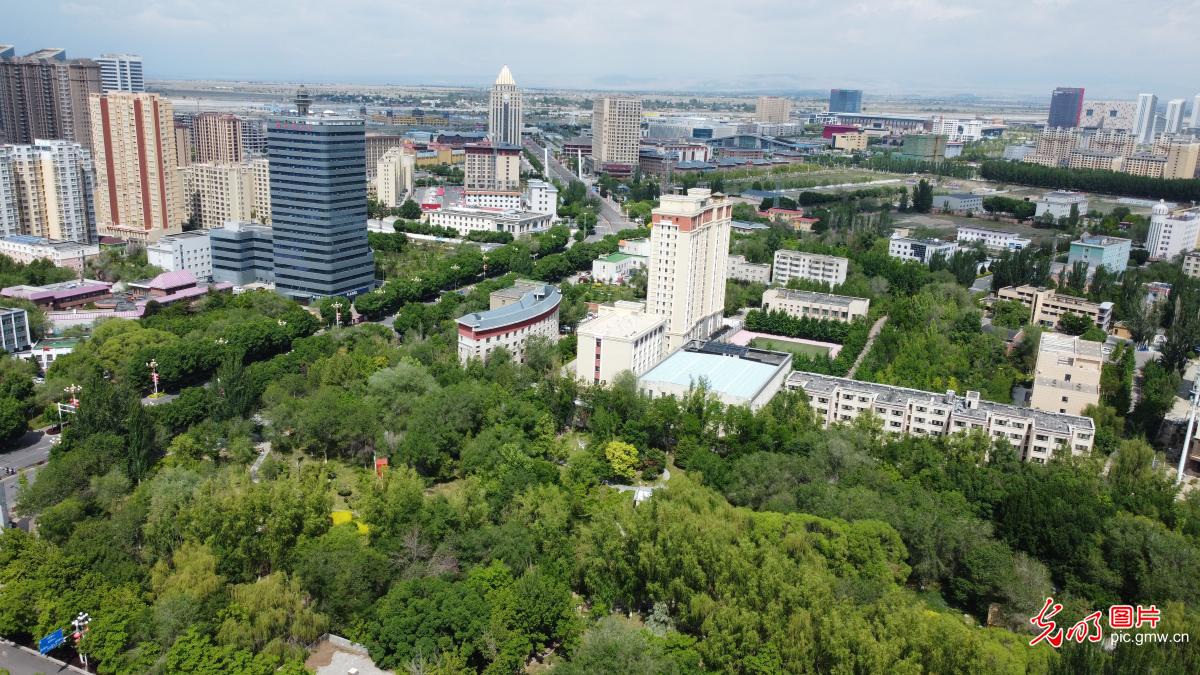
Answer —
(51, 641)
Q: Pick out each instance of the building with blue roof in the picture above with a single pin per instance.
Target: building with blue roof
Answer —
(735, 375)
(511, 322)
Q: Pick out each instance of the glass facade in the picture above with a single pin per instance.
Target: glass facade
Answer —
(845, 100)
(319, 207)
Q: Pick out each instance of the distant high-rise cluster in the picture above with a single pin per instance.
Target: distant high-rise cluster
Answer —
(845, 100)
(44, 95)
(1066, 107)
(1143, 118)
(505, 110)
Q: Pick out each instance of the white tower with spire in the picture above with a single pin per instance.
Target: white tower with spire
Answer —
(505, 110)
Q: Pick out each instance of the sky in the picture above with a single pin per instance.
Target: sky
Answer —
(1112, 48)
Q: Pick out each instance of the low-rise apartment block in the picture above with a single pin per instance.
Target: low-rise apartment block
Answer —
(993, 240)
(1191, 264)
(14, 330)
(616, 268)
(1036, 435)
(809, 305)
(1097, 250)
(1047, 307)
(1067, 376)
(1059, 202)
(920, 250)
(621, 337)
(740, 269)
(827, 269)
(24, 248)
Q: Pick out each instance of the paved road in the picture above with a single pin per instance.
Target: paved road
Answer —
(871, 335)
(610, 219)
(32, 448)
(19, 661)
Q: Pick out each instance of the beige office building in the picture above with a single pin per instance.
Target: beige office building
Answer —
(53, 191)
(809, 305)
(229, 192)
(689, 251)
(1036, 435)
(1047, 307)
(850, 142)
(827, 269)
(1067, 376)
(616, 132)
(138, 187)
(773, 109)
(218, 138)
(621, 337)
(394, 176)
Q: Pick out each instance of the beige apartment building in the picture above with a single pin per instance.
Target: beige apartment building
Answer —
(1146, 164)
(1191, 264)
(218, 138)
(850, 142)
(220, 193)
(1116, 141)
(620, 337)
(616, 132)
(492, 175)
(1054, 146)
(1182, 159)
(740, 269)
(394, 176)
(1095, 159)
(52, 194)
(1067, 376)
(1036, 435)
(809, 305)
(773, 109)
(689, 252)
(1047, 307)
(138, 188)
(828, 269)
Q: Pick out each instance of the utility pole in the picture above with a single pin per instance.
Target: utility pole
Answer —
(1187, 435)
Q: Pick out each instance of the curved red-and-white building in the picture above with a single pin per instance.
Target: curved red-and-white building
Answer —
(510, 326)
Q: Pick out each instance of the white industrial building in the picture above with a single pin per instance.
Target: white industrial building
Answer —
(190, 251)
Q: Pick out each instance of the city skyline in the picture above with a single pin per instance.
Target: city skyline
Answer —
(183, 40)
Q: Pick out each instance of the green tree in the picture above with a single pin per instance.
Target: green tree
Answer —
(622, 458)
(410, 210)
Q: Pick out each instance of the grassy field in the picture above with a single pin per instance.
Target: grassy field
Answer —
(788, 346)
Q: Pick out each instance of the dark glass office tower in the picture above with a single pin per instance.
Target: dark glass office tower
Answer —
(1066, 104)
(319, 206)
(845, 100)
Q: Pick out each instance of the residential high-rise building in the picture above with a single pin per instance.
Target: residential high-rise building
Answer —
(505, 110)
(121, 72)
(394, 176)
(45, 95)
(377, 146)
(1143, 118)
(845, 100)
(1054, 146)
(254, 138)
(1174, 122)
(319, 206)
(1067, 376)
(183, 144)
(771, 109)
(10, 212)
(1066, 107)
(218, 137)
(220, 193)
(1195, 123)
(1117, 141)
(1183, 156)
(52, 193)
(492, 175)
(138, 186)
(616, 133)
(689, 252)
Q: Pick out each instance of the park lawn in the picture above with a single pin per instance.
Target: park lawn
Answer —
(788, 346)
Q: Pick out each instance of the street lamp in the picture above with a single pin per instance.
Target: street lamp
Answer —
(337, 313)
(80, 623)
(71, 391)
(152, 364)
